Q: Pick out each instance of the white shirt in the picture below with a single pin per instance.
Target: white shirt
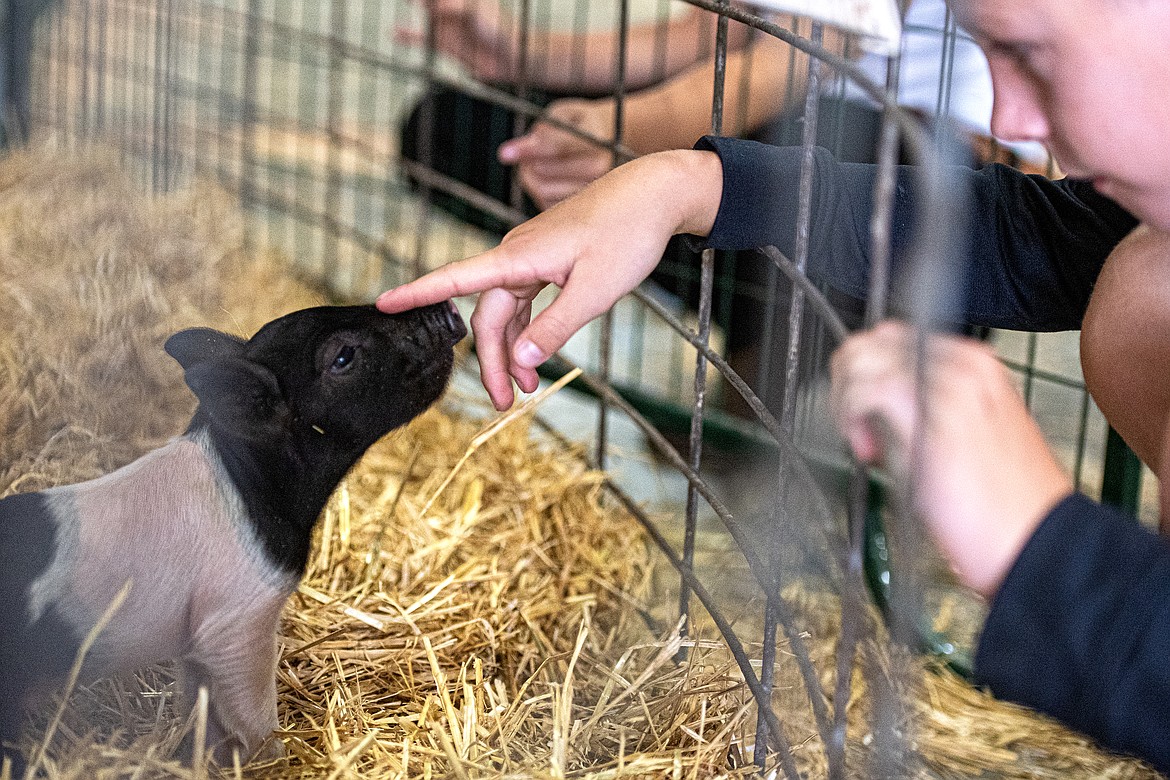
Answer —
(928, 53)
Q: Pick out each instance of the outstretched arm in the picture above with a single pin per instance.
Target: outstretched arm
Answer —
(760, 78)
(1035, 246)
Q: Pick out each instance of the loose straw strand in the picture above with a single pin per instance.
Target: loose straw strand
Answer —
(498, 425)
(74, 673)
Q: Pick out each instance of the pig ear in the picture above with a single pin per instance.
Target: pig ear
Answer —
(242, 398)
(195, 345)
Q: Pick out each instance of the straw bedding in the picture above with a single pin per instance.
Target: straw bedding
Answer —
(481, 615)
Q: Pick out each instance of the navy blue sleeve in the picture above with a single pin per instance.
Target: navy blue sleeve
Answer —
(1080, 629)
(1033, 246)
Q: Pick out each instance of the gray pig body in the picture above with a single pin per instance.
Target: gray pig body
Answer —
(212, 530)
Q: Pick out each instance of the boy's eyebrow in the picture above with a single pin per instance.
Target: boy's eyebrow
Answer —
(992, 34)
(996, 42)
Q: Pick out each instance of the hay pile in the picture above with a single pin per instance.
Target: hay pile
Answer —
(93, 278)
(455, 641)
(478, 618)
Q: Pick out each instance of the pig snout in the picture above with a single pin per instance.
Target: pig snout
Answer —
(443, 321)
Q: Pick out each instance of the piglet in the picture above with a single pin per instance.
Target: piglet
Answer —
(212, 529)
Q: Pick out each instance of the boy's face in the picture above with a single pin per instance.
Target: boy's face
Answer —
(1091, 80)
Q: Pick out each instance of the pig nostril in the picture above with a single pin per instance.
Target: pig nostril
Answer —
(454, 321)
(444, 322)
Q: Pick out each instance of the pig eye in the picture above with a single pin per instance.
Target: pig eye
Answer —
(344, 360)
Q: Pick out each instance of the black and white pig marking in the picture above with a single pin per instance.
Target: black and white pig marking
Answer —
(212, 529)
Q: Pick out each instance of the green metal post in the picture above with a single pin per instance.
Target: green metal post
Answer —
(1121, 484)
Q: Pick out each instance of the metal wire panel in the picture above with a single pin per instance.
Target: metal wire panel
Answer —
(362, 158)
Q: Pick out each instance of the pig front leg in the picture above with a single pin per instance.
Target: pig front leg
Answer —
(240, 678)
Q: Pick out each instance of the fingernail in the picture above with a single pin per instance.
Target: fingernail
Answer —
(507, 152)
(528, 355)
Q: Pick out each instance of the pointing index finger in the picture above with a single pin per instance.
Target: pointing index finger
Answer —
(464, 277)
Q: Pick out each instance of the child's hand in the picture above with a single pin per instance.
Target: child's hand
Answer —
(596, 246)
(985, 478)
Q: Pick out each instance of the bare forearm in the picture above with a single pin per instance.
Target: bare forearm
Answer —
(569, 62)
(676, 113)
(760, 80)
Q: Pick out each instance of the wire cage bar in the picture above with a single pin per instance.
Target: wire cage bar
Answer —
(298, 107)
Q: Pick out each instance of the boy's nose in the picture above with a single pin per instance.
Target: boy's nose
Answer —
(1017, 114)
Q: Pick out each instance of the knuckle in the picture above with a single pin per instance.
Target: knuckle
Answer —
(480, 321)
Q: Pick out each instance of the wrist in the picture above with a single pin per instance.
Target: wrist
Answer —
(691, 188)
(999, 555)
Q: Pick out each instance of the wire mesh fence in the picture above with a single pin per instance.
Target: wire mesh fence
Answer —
(367, 155)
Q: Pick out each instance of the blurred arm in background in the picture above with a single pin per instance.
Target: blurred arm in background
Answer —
(761, 78)
(486, 40)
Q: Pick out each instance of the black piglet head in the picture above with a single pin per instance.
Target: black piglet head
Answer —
(341, 376)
